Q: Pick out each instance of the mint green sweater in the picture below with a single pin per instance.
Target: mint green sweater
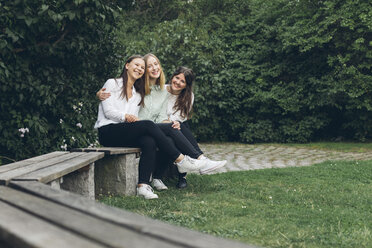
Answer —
(156, 103)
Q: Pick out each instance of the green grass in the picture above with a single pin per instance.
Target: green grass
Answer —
(324, 205)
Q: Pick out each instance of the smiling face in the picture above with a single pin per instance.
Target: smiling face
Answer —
(178, 83)
(153, 68)
(135, 68)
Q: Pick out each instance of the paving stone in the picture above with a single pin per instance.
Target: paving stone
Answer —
(252, 157)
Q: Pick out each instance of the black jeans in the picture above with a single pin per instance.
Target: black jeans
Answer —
(180, 140)
(144, 134)
(186, 131)
(190, 147)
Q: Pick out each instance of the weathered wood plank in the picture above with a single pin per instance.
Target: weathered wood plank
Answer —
(7, 176)
(109, 150)
(62, 168)
(138, 223)
(15, 165)
(97, 229)
(21, 229)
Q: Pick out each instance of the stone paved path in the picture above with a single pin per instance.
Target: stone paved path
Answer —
(252, 157)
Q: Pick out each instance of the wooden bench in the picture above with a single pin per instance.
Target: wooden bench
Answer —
(71, 171)
(36, 215)
(117, 172)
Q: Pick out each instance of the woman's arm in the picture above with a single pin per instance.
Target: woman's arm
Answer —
(102, 95)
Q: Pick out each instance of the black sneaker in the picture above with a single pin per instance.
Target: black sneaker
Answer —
(182, 183)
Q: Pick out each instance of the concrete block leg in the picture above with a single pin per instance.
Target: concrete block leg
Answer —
(116, 175)
(55, 184)
(81, 182)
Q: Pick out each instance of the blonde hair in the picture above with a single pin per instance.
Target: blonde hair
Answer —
(159, 81)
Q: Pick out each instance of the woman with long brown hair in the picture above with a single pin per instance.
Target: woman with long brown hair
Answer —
(179, 109)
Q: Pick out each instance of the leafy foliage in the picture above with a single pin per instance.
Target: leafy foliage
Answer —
(282, 71)
(54, 56)
(278, 71)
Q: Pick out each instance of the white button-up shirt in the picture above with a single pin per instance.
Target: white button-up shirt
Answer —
(114, 108)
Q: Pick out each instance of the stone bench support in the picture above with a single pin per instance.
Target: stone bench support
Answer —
(117, 172)
(81, 182)
(116, 175)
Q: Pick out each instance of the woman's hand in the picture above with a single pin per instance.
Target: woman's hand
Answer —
(102, 95)
(176, 125)
(131, 118)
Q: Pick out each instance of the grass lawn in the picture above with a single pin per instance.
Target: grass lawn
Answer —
(324, 205)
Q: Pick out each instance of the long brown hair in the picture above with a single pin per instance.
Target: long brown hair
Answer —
(139, 84)
(184, 99)
(159, 81)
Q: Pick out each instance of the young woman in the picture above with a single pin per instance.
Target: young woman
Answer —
(155, 109)
(180, 101)
(118, 125)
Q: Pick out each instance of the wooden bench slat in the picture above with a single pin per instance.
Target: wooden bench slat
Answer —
(15, 165)
(55, 171)
(7, 176)
(141, 224)
(109, 150)
(96, 229)
(21, 229)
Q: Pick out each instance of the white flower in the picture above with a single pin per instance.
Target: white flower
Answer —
(73, 138)
(80, 104)
(23, 131)
(270, 197)
(244, 206)
(64, 147)
(60, 121)
(74, 107)
(79, 125)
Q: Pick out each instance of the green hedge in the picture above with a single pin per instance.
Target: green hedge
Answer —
(269, 71)
(54, 56)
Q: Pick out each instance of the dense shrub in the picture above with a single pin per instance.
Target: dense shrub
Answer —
(283, 71)
(267, 71)
(54, 56)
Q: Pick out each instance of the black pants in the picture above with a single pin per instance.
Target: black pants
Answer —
(186, 131)
(144, 134)
(181, 141)
(163, 161)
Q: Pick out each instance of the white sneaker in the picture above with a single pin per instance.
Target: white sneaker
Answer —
(146, 191)
(158, 184)
(190, 164)
(211, 165)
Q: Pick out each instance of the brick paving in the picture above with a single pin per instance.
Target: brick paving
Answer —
(251, 157)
